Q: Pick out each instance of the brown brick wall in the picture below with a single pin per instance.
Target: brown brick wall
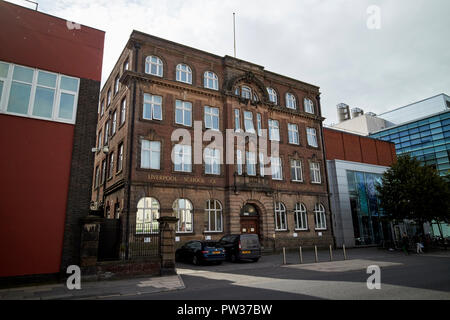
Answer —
(233, 192)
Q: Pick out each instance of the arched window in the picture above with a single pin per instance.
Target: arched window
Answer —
(214, 216)
(272, 95)
(246, 92)
(147, 216)
(211, 81)
(184, 73)
(183, 211)
(309, 105)
(319, 217)
(154, 66)
(280, 217)
(300, 216)
(290, 101)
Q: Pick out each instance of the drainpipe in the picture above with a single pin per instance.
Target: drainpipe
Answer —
(130, 151)
(326, 171)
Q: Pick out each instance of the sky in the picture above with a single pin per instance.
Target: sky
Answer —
(323, 42)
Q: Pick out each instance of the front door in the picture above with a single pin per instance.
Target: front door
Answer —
(249, 225)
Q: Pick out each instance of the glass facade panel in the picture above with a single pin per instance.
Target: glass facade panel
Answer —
(424, 137)
(368, 224)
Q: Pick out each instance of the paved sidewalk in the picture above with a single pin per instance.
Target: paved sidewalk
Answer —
(95, 290)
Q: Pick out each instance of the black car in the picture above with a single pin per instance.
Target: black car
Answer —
(198, 252)
(241, 246)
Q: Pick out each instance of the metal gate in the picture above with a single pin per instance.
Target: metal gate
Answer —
(109, 240)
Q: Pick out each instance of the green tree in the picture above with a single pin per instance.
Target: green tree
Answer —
(410, 190)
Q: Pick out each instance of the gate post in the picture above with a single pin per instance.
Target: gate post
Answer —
(167, 244)
(90, 234)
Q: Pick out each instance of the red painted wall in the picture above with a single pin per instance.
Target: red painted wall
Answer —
(35, 164)
(350, 147)
(34, 175)
(38, 40)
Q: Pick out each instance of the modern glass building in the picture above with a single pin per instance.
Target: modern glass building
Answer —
(427, 139)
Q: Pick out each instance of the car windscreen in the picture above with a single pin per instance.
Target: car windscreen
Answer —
(210, 245)
(249, 241)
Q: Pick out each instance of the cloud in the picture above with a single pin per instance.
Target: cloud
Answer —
(326, 43)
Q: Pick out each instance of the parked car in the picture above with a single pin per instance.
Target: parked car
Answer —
(241, 246)
(199, 252)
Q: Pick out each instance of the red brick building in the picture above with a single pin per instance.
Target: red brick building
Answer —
(158, 86)
(49, 82)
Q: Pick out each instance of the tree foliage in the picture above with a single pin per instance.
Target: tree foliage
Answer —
(410, 190)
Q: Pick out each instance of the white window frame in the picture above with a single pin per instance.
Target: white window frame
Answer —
(107, 129)
(183, 213)
(208, 77)
(116, 84)
(280, 210)
(311, 134)
(120, 158)
(314, 168)
(293, 134)
(185, 158)
(150, 147)
(111, 165)
(114, 122)
(259, 124)
(158, 64)
(186, 70)
(320, 218)
(309, 106)
(58, 91)
(212, 161)
(261, 164)
(150, 216)
(212, 113)
(273, 97)
(214, 207)
(239, 162)
(300, 217)
(296, 166)
(248, 92)
(108, 97)
(152, 102)
(291, 101)
(251, 163)
(274, 130)
(249, 126)
(276, 163)
(123, 111)
(237, 120)
(184, 107)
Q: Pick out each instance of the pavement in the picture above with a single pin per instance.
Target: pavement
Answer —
(411, 277)
(96, 290)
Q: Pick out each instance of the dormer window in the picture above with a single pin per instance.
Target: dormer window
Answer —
(184, 73)
(154, 66)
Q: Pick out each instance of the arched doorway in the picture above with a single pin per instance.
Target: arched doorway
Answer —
(249, 219)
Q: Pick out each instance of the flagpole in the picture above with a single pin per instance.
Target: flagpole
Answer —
(234, 33)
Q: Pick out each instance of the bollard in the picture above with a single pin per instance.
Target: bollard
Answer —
(345, 254)
(315, 250)
(331, 253)
(301, 255)
(284, 255)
